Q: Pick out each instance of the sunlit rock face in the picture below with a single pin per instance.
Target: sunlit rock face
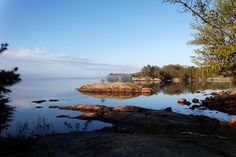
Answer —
(118, 90)
(118, 87)
(155, 121)
(111, 87)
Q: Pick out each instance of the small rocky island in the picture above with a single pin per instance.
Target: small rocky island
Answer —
(118, 87)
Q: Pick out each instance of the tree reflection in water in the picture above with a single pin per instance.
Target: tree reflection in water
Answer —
(179, 88)
(171, 88)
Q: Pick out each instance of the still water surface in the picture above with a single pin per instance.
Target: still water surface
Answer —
(28, 117)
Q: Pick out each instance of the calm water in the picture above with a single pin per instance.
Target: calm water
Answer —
(27, 117)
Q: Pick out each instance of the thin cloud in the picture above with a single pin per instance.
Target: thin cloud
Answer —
(31, 61)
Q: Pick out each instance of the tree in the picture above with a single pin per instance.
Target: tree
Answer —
(146, 71)
(216, 34)
(172, 71)
(7, 78)
(156, 72)
(3, 47)
(151, 71)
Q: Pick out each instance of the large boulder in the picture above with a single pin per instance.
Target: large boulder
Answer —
(118, 87)
(195, 100)
(111, 87)
(182, 101)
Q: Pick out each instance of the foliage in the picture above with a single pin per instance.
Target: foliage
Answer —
(3, 47)
(151, 71)
(172, 71)
(169, 72)
(215, 35)
(7, 78)
(5, 112)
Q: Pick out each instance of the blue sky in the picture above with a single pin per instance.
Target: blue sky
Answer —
(90, 38)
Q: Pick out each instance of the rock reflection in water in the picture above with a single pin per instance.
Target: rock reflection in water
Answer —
(116, 96)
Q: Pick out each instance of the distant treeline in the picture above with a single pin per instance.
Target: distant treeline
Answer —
(170, 72)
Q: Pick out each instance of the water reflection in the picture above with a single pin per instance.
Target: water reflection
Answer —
(64, 90)
(116, 96)
(166, 88)
(179, 88)
(171, 88)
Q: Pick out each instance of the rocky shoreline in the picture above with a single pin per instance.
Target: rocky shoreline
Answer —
(138, 132)
(137, 119)
(222, 101)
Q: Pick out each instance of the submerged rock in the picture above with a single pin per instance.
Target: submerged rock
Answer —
(39, 107)
(188, 103)
(39, 101)
(53, 106)
(63, 116)
(53, 100)
(195, 100)
(193, 107)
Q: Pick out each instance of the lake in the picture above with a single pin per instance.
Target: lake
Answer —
(27, 119)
